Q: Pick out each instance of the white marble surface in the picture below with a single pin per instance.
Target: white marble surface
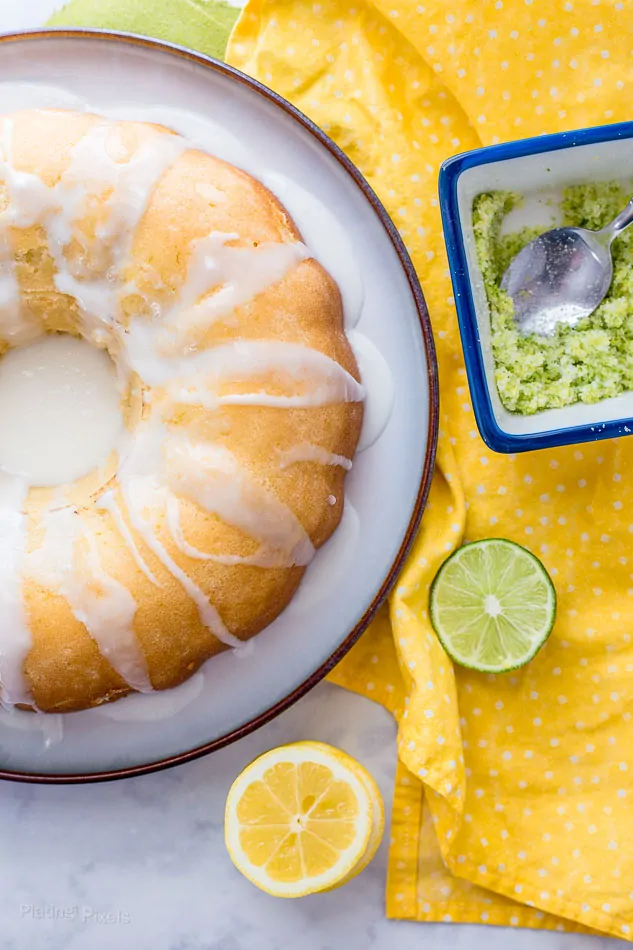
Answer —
(141, 865)
(149, 852)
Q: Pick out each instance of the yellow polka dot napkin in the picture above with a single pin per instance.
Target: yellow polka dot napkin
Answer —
(514, 793)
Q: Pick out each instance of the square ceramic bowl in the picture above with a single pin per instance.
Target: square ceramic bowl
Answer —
(539, 169)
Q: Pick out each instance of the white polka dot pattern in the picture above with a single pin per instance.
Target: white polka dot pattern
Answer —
(513, 794)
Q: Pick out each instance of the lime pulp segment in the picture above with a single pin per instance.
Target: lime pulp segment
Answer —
(492, 605)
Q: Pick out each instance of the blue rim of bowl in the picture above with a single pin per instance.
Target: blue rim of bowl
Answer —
(432, 425)
(493, 435)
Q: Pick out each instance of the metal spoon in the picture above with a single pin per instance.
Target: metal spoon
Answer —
(562, 275)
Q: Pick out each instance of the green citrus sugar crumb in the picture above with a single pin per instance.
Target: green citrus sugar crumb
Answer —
(586, 363)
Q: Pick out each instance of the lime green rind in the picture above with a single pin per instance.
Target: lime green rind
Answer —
(203, 25)
(467, 623)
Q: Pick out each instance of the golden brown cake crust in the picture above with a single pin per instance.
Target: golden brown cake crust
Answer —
(195, 196)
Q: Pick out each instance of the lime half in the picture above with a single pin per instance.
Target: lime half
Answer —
(492, 605)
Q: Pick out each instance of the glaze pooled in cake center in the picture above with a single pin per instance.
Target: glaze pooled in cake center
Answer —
(59, 410)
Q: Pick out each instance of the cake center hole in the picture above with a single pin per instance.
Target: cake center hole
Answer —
(60, 413)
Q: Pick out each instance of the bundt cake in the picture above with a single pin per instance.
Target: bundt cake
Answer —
(239, 392)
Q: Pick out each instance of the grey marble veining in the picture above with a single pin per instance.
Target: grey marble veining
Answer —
(141, 865)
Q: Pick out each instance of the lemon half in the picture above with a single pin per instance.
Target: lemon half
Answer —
(303, 818)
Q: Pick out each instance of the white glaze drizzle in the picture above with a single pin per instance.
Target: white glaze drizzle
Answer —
(30, 199)
(211, 476)
(240, 359)
(378, 382)
(263, 557)
(306, 452)
(321, 229)
(91, 171)
(141, 491)
(109, 618)
(107, 502)
(15, 636)
(209, 615)
(236, 274)
(103, 605)
(327, 239)
(49, 725)
(132, 184)
(163, 704)
(15, 327)
(338, 555)
(172, 511)
(196, 379)
(309, 400)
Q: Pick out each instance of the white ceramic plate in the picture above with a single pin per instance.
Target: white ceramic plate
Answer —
(387, 487)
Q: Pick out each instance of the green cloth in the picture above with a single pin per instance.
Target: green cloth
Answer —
(202, 25)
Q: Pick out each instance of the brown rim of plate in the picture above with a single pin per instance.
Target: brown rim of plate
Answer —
(429, 346)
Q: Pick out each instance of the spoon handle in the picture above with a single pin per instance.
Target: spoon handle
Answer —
(619, 223)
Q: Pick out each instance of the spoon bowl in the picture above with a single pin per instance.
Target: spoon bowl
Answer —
(561, 276)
